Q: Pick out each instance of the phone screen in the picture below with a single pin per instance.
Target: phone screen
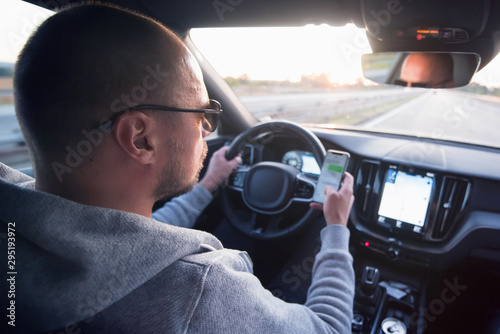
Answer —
(332, 173)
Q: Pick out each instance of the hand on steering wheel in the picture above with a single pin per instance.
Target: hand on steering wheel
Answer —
(271, 191)
(219, 169)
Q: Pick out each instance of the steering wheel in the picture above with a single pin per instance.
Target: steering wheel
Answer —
(275, 197)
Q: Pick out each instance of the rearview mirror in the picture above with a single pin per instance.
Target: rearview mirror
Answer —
(421, 69)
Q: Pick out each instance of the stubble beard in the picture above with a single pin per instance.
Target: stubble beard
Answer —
(173, 180)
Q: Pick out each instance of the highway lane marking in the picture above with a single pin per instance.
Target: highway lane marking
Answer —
(393, 112)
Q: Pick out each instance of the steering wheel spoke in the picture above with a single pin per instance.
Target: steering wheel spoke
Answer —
(262, 225)
(249, 225)
(273, 225)
(303, 189)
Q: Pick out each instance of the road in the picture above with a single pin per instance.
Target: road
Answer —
(438, 114)
(317, 107)
(445, 114)
(13, 152)
(9, 128)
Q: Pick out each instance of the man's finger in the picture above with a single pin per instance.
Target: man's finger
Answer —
(330, 189)
(316, 206)
(348, 182)
(236, 161)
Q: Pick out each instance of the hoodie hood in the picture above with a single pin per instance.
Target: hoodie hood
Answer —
(73, 260)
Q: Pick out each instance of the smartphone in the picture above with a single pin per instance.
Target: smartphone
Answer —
(332, 173)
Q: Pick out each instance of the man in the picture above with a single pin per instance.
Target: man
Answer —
(88, 86)
(182, 207)
(427, 70)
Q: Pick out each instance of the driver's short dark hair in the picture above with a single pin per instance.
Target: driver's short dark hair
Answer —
(74, 66)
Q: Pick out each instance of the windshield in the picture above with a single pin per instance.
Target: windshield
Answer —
(17, 21)
(312, 75)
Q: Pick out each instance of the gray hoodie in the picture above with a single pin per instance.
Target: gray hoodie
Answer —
(84, 269)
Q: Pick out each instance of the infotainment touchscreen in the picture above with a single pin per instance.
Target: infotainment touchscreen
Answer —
(405, 200)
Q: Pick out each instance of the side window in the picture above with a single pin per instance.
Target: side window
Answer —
(18, 20)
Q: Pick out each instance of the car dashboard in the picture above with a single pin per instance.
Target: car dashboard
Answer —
(454, 187)
(451, 185)
(423, 207)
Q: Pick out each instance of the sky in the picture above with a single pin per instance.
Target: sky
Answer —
(285, 53)
(261, 53)
(18, 19)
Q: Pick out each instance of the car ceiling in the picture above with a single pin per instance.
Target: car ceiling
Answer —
(478, 17)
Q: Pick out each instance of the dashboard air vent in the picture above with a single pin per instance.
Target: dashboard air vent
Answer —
(366, 179)
(452, 200)
(461, 35)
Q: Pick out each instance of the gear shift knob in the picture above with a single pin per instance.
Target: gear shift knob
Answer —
(369, 280)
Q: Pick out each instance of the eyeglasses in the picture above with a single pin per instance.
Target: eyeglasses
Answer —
(210, 118)
(404, 83)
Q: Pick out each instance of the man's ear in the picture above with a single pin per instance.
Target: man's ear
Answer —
(135, 134)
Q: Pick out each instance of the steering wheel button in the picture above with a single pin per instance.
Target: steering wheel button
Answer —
(237, 179)
(303, 190)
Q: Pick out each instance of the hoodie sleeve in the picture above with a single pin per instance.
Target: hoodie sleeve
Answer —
(234, 301)
(182, 211)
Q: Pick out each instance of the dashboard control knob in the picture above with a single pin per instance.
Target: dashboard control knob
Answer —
(392, 253)
(357, 323)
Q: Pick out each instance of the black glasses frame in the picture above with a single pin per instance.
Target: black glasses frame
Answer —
(404, 83)
(210, 119)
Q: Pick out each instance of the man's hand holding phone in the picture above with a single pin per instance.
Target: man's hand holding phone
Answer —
(337, 204)
(333, 193)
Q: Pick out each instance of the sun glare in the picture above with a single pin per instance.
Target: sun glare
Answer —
(255, 53)
(285, 53)
(18, 19)
(489, 76)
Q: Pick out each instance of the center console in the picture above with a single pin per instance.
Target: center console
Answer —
(404, 213)
(382, 306)
(402, 217)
